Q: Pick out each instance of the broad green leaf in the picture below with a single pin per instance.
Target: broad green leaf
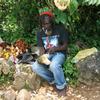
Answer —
(90, 2)
(43, 9)
(73, 6)
(94, 2)
(98, 2)
(60, 16)
(86, 0)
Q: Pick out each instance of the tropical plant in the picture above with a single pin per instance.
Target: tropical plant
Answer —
(91, 2)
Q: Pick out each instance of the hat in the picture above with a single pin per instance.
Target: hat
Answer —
(47, 13)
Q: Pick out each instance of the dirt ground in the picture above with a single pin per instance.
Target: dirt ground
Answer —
(81, 92)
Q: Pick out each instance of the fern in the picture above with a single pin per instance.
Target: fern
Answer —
(92, 2)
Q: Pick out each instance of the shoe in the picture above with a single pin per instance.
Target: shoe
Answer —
(62, 92)
(51, 83)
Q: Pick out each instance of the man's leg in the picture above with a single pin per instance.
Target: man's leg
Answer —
(42, 71)
(56, 68)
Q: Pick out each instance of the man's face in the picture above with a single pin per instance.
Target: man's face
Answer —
(46, 25)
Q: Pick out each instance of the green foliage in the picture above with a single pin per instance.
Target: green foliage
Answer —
(91, 2)
(60, 16)
(73, 49)
(6, 79)
(24, 12)
(30, 38)
(73, 6)
(71, 72)
(18, 20)
(43, 9)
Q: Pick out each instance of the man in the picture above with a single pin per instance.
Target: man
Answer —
(52, 39)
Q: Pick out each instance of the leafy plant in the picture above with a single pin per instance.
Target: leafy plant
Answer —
(71, 72)
(6, 79)
(92, 2)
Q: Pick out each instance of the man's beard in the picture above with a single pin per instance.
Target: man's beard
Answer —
(47, 31)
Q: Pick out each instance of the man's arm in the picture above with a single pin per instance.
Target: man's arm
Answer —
(41, 50)
(40, 44)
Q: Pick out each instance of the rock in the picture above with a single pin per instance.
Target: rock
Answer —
(9, 95)
(89, 69)
(26, 78)
(4, 67)
(1, 41)
(1, 94)
(19, 81)
(33, 81)
(83, 54)
(23, 75)
(23, 95)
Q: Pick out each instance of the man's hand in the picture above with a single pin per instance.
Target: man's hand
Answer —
(42, 51)
(52, 50)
